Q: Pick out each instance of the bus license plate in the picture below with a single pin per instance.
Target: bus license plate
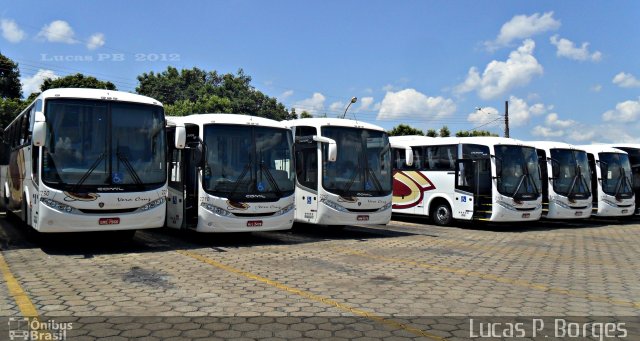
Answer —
(109, 221)
(578, 214)
(363, 218)
(254, 223)
(526, 215)
(625, 211)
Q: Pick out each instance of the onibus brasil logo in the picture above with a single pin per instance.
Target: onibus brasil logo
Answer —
(31, 328)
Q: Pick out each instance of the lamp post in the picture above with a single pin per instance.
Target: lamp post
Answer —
(353, 100)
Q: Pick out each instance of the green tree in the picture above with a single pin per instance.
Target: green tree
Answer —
(432, 133)
(229, 93)
(305, 114)
(444, 131)
(10, 86)
(474, 132)
(403, 129)
(9, 109)
(76, 81)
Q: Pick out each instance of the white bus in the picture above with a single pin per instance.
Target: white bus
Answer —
(235, 175)
(610, 180)
(633, 150)
(87, 160)
(566, 180)
(469, 178)
(343, 172)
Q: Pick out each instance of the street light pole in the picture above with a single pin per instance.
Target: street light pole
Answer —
(353, 100)
(506, 118)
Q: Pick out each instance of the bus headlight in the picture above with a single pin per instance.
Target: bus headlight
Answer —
(57, 205)
(216, 210)
(151, 205)
(333, 205)
(284, 210)
(385, 207)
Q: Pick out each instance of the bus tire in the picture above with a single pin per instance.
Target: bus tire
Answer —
(441, 214)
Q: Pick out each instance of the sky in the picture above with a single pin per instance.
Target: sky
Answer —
(570, 70)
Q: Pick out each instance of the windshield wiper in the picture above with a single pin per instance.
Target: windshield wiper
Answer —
(270, 178)
(352, 180)
(621, 183)
(123, 158)
(88, 172)
(245, 170)
(372, 175)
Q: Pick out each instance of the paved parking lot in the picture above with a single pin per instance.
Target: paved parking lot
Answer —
(405, 280)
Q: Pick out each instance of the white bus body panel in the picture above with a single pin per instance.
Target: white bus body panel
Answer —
(608, 205)
(48, 219)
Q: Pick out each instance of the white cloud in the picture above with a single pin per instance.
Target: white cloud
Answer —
(546, 132)
(566, 48)
(539, 109)
(499, 77)
(365, 103)
(583, 134)
(596, 88)
(58, 31)
(33, 83)
(285, 95)
(96, 40)
(389, 87)
(409, 103)
(522, 26)
(553, 120)
(313, 105)
(482, 116)
(626, 80)
(337, 107)
(11, 31)
(627, 111)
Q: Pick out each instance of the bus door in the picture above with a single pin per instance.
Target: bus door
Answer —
(175, 201)
(306, 159)
(473, 175)
(542, 161)
(192, 158)
(594, 181)
(466, 189)
(182, 205)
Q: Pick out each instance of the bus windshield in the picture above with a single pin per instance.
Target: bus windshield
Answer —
(571, 176)
(94, 144)
(518, 172)
(362, 167)
(615, 170)
(248, 162)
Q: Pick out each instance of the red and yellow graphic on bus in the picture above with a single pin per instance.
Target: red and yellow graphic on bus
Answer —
(409, 188)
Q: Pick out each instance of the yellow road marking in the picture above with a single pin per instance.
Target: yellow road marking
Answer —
(488, 276)
(15, 290)
(311, 296)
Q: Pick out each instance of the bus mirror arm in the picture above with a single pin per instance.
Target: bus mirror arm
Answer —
(333, 148)
(39, 129)
(181, 136)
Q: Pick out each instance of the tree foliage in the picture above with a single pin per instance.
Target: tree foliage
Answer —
(194, 90)
(403, 129)
(305, 114)
(444, 132)
(10, 86)
(76, 81)
(432, 133)
(9, 109)
(467, 133)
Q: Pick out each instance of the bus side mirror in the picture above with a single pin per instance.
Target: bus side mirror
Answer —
(181, 136)
(408, 156)
(332, 147)
(39, 129)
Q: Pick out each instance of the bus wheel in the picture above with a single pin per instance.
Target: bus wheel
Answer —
(442, 214)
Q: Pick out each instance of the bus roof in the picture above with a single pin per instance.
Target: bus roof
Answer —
(600, 148)
(547, 145)
(219, 118)
(624, 145)
(481, 140)
(97, 94)
(340, 122)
